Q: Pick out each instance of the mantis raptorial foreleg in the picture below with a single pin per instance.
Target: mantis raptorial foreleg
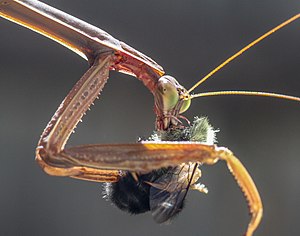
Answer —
(105, 163)
(102, 163)
(64, 121)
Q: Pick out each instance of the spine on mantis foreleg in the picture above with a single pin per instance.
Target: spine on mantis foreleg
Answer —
(69, 113)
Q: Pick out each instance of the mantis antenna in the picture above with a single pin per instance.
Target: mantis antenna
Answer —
(249, 93)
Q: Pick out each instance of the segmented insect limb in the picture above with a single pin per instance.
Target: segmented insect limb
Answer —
(248, 187)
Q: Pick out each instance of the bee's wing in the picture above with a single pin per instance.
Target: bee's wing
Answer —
(84, 39)
(167, 194)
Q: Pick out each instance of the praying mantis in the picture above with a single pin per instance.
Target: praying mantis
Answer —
(138, 170)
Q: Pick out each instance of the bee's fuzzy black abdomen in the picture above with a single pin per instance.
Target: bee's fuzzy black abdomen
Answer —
(132, 195)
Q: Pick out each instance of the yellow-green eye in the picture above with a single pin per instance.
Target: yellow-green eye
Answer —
(186, 104)
(168, 94)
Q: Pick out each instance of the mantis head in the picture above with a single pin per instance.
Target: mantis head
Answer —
(171, 99)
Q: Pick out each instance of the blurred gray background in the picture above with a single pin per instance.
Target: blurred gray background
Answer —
(188, 38)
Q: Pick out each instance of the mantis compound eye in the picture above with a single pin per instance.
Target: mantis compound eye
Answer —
(166, 94)
(185, 105)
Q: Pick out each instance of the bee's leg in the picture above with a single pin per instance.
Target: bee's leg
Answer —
(200, 187)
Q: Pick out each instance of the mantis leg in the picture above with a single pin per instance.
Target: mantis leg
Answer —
(145, 157)
(102, 163)
(64, 121)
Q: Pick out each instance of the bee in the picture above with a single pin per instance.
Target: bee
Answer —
(163, 191)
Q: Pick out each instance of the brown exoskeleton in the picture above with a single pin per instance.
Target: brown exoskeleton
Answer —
(167, 165)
